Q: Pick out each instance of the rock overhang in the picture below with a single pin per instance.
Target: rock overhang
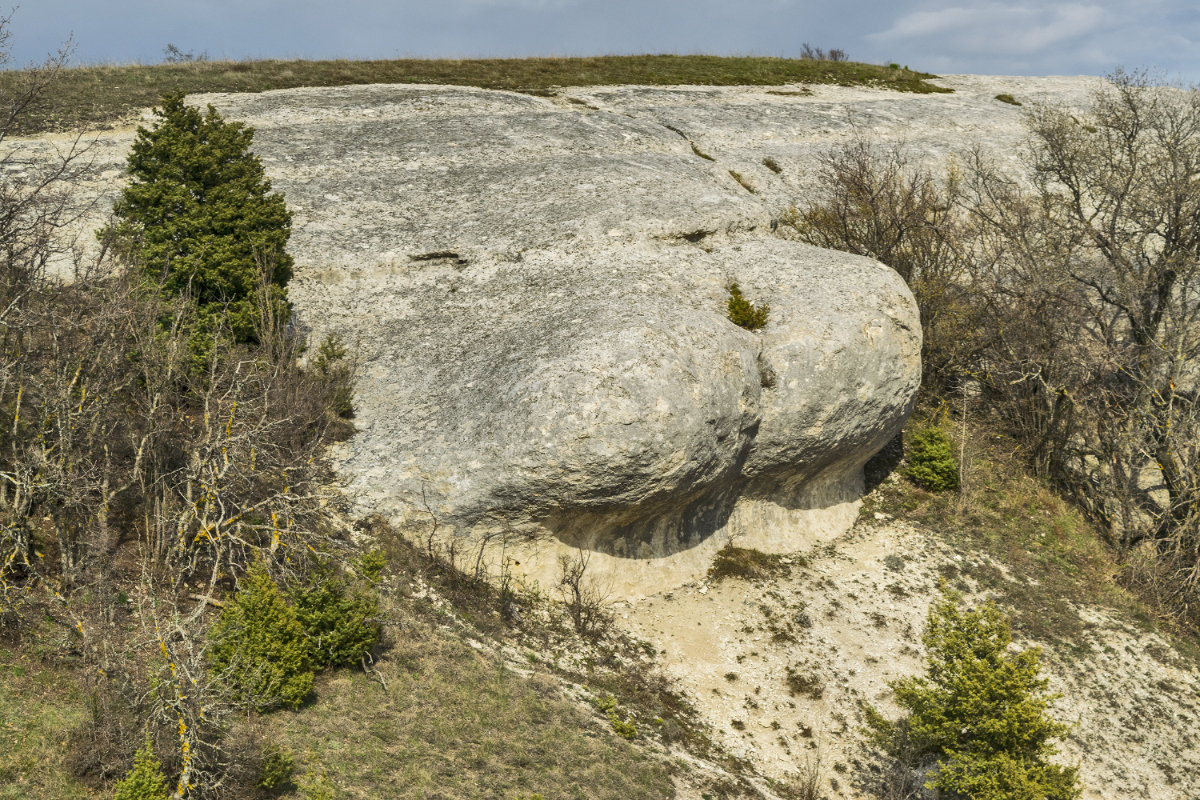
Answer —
(536, 290)
(609, 380)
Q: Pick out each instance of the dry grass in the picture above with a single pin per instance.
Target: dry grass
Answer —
(608, 664)
(40, 703)
(453, 722)
(1058, 559)
(102, 96)
(446, 720)
(744, 563)
(741, 179)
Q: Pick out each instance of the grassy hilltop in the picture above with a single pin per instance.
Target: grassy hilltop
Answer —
(101, 96)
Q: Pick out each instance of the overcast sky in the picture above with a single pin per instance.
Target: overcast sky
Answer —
(1026, 37)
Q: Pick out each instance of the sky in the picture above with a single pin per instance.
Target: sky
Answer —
(1025, 37)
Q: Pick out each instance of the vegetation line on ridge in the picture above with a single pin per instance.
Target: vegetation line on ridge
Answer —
(99, 96)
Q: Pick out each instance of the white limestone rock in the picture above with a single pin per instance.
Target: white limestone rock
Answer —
(536, 288)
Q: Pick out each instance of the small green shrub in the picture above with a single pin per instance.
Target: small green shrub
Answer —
(980, 710)
(743, 313)
(371, 564)
(607, 703)
(333, 367)
(772, 165)
(145, 780)
(624, 728)
(260, 644)
(932, 464)
(278, 766)
(338, 622)
(1008, 98)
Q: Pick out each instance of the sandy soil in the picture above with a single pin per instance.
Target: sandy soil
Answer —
(779, 667)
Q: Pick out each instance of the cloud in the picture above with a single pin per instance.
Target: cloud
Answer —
(1050, 37)
(997, 29)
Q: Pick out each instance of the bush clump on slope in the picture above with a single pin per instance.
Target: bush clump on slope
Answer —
(145, 780)
(931, 461)
(260, 644)
(338, 621)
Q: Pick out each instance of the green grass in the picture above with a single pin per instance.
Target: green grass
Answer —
(615, 665)
(40, 703)
(453, 722)
(100, 96)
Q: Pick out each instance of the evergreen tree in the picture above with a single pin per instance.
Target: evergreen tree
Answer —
(932, 464)
(981, 711)
(145, 780)
(338, 622)
(261, 645)
(199, 217)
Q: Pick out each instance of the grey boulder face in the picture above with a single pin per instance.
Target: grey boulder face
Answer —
(538, 292)
(605, 397)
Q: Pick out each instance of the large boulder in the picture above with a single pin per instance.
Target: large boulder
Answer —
(603, 396)
(537, 290)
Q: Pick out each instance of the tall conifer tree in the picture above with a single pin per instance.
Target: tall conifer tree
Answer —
(199, 216)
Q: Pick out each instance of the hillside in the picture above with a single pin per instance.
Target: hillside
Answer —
(102, 96)
(534, 284)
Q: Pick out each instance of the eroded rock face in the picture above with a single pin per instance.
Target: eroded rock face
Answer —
(536, 288)
(538, 291)
(605, 393)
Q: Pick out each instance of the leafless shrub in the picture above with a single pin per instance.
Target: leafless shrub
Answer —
(812, 773)
(140, 473)
(1113, 227)
(583, 598)
(174, 55)
(810, 53)
(879, 202)
(1070, 294)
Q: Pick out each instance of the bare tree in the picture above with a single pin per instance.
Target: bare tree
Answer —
(878, 202)
(810, 53)
(1119, 191)
(141, 460)
(1070, 291)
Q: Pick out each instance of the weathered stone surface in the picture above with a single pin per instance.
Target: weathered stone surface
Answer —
(538, 291)
(608, 384)
(536, 288)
